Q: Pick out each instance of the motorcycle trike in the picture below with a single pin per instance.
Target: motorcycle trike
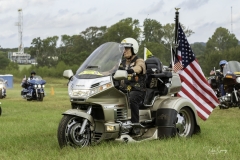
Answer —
(100, 109)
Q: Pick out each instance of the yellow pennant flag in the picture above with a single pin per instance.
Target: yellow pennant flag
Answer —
(147, 53)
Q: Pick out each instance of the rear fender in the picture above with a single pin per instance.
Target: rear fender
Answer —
(80, 113)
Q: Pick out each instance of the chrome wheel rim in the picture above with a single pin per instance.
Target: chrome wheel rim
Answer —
(183, 124)
(72, 133)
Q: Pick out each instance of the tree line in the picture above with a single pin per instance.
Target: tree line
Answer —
(158, 38)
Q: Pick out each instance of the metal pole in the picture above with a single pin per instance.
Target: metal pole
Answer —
(176, 24)
(176, 35)
(231, 21)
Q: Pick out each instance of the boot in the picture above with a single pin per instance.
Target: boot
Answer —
(135, 131)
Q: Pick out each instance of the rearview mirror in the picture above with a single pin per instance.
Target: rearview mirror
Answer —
(68, 73)
(120, 75)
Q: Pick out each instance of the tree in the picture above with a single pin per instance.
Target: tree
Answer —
(169, 33)
(152, 31)
(123, 29)
(221, 40)
(157, 50)
(36, 46)
(4, 61)
(12, 66)
(198, 48)
(47, 54)
(93, 35)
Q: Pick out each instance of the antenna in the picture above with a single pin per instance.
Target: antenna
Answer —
(231, 20)
(20, 30)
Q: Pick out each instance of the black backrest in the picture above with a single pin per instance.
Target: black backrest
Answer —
(153, 65)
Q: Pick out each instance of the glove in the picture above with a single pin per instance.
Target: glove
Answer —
(130, 71)
(121, 68)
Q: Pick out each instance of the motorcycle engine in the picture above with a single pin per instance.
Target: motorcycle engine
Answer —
(126, 127)
(226, 98)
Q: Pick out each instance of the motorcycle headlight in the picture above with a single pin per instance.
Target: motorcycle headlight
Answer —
(43, 86)
(35, 86)
(39, 86)
(81, 93)
(89, 92)
(238, 79)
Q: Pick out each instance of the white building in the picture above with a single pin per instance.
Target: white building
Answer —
(21, 58)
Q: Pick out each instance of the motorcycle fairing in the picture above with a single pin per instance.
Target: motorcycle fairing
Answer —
(231, 72)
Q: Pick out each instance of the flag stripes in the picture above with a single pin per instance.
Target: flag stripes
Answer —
(195, 86)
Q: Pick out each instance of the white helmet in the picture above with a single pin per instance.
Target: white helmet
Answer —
(130, 42)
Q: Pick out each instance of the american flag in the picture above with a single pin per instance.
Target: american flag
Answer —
(194, 84)
(177, 64)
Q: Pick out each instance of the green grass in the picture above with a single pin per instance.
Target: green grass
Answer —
(24, 66)
(28, 130)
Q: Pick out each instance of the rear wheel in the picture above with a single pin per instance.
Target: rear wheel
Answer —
(185, 122)
(0, 110)
(68, 132)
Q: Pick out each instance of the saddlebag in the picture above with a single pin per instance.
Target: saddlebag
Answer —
(165, 121)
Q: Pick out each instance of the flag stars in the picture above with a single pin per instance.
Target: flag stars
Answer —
(185, 49)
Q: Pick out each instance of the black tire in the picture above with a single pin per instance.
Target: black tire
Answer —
(68, 130)
(1, 96)
(0, 111)
(185, 123)
(40, 98)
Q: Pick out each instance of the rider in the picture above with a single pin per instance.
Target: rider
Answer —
(222, 64)
(136, 70)
(33, 73)
(24, 83)
(24, 80)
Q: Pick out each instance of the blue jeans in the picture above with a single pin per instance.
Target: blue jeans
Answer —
(221, 88)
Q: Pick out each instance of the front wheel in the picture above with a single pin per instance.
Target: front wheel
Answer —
(1, 96)
(0, 110)
(185, 122)
(68, 132)
(40, 96)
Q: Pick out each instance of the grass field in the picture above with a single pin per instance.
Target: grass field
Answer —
(24, 66)
(28, 130)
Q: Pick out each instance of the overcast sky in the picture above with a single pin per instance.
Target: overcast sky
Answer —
(46, 18)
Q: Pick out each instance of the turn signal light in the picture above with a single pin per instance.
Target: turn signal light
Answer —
(229, 76)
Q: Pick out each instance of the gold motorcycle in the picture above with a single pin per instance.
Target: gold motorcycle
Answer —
(100, 107)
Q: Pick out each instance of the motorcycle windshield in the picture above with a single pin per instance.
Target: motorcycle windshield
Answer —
(36, 80)
(231, 67)
(103, 61)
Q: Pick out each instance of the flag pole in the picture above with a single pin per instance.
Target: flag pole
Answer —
(176, 31)
(172, 57)
(176, 23)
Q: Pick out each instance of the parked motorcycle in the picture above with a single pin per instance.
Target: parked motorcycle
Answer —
(214, 82)
(231, 82)
(3, 87)
(33, 89)
(100, 107)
